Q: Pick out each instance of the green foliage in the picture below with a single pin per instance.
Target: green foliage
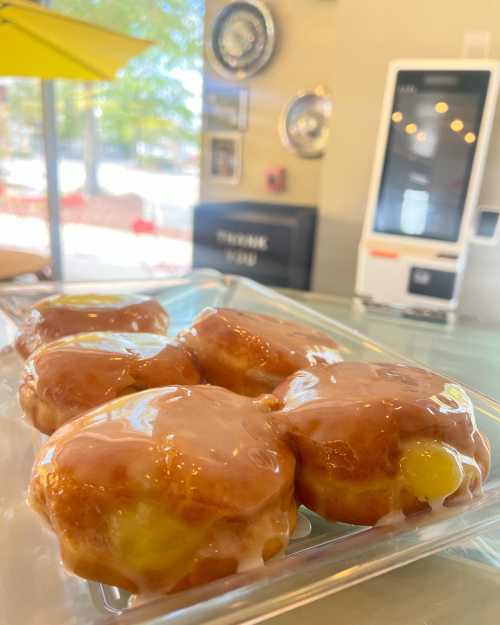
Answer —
(68, 111)
(21, 118)
(146, 102)
(24, 104)
(175, 26)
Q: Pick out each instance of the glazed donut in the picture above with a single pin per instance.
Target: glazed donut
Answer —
(62, 315)
(167, 489)
(250, 353)
(376, 441)
(67, 377)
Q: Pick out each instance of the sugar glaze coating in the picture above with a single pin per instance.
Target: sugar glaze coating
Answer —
(373, 439)
(167, 488)
(67, 377)
(62, 315)
(250, 353)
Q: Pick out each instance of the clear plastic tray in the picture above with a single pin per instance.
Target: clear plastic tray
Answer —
(34, 587)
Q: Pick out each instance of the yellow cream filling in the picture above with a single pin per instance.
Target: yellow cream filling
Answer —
(148, 539)
(86, 300)
(431, 470)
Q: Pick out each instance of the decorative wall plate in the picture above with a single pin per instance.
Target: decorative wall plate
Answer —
(305, 123)
(242, 39)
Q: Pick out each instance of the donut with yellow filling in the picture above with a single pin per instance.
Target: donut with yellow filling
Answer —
(62, 315)
(379, 439)
(250, 353)
(72, 375)
(167, 489)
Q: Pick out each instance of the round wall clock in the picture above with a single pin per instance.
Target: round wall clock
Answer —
(304, 126)
(242, 39)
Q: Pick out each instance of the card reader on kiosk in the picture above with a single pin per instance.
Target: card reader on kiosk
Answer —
(432, 144)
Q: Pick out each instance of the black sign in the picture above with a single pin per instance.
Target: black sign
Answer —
(271, 243)
(432, 282)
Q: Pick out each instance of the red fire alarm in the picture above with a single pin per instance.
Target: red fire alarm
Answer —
(275, 178)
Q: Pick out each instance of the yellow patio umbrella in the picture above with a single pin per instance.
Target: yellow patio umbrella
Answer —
(38, 42)
(35, 41)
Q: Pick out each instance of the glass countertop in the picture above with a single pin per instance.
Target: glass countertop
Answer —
(459, 586)
(464, 350)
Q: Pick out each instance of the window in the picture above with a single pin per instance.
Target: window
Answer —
(128, 149)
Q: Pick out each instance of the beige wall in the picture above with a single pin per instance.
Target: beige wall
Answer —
(369, 34)
(346, 45)
(302, 61)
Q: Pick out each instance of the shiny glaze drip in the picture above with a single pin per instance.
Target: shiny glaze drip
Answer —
(199, 458)
(251, 353)
(64, 315)
(69, 376)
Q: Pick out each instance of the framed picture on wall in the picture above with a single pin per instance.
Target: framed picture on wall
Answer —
(224, 157)
(226, 109)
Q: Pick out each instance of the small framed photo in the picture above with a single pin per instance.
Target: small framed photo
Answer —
(224, 157)
(226, 109)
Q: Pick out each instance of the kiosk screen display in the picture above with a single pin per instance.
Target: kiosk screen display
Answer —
(434, 126)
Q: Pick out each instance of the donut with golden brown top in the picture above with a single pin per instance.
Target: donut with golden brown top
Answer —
(72, 375)
(167, 489)
(250, 353)
(373, 440)
(62, 315)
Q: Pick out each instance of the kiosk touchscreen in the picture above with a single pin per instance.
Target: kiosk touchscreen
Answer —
(432, 144)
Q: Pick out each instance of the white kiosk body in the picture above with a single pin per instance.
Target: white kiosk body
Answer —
(432, 144)
(480, 293)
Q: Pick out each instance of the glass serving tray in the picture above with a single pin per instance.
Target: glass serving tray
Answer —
(34, 587)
